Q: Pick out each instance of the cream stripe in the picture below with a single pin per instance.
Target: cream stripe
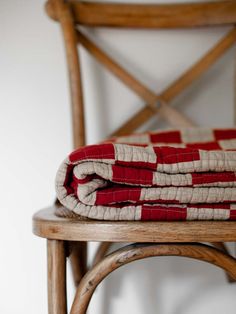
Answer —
(207, 214)
(134, 153)
(109, 213)
(196, 135)
(134, 139)
(88, 168)
(164, 179)
(189, 195)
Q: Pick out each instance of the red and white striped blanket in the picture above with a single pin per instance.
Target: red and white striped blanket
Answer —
(187, 174)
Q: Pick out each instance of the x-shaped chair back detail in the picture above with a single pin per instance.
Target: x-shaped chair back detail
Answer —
(71, 14)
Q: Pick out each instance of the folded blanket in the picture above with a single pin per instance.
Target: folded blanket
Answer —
(187, 174)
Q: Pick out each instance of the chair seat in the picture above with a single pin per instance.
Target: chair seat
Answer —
(47, 225)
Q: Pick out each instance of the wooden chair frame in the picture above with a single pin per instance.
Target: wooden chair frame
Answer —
(68, 237)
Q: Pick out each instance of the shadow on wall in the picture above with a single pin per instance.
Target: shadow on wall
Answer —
(168, 285)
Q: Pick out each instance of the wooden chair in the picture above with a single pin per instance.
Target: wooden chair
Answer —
(67, 236)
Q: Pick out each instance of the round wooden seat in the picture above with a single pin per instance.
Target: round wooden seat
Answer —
(47, 225)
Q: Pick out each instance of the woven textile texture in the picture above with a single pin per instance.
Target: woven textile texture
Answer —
(187, 174)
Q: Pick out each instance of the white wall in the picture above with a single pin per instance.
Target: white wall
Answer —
(35, 137)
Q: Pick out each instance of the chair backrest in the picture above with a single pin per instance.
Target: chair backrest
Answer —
(73, 13)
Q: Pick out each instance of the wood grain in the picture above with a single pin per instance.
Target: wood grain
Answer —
(57, 301)
(78, 259)
(132, 253)
(66, 20)
(47, 225)
(222, 246)
(151, 15)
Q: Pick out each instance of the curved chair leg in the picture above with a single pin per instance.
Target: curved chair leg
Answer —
(221, 246)
(134, 252)
(104, 247)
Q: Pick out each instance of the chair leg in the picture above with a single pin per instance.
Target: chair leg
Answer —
(102, 250)
(78, 260)
(56, 254)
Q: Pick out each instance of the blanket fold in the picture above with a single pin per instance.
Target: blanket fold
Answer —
(187, 174)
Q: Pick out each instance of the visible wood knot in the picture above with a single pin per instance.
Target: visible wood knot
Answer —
(124, 257)
(89, 286)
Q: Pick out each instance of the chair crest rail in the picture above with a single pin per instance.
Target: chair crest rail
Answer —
(150, 15)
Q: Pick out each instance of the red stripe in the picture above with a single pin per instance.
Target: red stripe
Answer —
(225, 134)
(205, 146)
(166, 137)
(232, 214)
(117, 195)
(211, 177)
(102, 151)
(130, 175)
(162, 213)
(172, 155)
(68, 180)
